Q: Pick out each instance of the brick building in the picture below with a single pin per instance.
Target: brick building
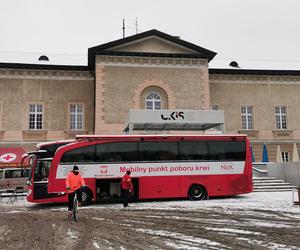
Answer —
(150, 70)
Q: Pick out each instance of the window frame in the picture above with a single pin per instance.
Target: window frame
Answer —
(285, 156)
(153, 101)
(214, 107)
(281, 117)
(35, 113)
(77, 104)
(247, 120)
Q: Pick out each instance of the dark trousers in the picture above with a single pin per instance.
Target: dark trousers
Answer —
(71, 198)
(125, 196)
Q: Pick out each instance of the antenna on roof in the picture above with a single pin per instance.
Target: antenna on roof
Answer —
(136, 25)
(123, 28)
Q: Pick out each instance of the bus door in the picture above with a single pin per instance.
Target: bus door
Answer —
(40, 179)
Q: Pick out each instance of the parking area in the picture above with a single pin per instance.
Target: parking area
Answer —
(252, 221)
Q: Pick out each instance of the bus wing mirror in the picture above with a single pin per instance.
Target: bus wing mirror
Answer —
(24, 156)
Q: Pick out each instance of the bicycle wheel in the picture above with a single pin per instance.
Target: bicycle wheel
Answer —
(75, 209)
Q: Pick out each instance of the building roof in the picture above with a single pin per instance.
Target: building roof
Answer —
(106, 49)
(254, 67)
(253, 72)
(42, 66)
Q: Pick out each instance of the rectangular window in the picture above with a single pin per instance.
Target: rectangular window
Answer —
(83, 154)
(76, 117)
(227, 151)
(194, 150)
(247, 117)
(13, 174)
(285, 156)
(214, 107)
(35, 116)
(158, 151)
(281, 117)
(117, 152)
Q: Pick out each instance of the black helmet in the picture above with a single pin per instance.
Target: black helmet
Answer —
(128, 172)
(75, 168)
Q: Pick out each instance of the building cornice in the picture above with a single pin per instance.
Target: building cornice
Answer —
(44, 74)
(151, 61)
(254, 79)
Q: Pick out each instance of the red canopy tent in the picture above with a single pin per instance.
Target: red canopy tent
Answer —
(12, 157)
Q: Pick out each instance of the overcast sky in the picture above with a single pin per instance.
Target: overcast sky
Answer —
(250, 30)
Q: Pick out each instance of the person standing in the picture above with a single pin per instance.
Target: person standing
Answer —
(74, 182)
(126, 188)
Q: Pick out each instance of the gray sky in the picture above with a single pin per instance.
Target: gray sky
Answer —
(263, 31)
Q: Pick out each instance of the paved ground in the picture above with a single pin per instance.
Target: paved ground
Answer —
(108, 226)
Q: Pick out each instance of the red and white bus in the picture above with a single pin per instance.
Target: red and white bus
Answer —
(40, 161)
(162, 166)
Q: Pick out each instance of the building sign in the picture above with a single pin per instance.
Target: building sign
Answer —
(141, 119)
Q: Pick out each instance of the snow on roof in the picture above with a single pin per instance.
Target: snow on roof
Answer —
(255, 64)
(33, 58)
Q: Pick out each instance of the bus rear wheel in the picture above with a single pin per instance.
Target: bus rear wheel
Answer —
(86, 196)
(197, 192)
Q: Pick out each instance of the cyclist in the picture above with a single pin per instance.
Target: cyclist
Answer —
(74, 182)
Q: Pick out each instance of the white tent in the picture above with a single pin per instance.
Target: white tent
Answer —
(295, 153)
(278, 154)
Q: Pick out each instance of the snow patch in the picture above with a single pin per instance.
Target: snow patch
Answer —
(232, 230)
(179, 236)
(96, 245)
(71, 234)
(97, 218)
(269, 245)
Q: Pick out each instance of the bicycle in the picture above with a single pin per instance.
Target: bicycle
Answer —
(75, 208)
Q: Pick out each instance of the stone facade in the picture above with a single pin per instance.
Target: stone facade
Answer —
(263, 93)
(182, 85)
(54, 90)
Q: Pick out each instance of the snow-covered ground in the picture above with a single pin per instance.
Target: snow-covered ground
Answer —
(272, 201)
(259, 220)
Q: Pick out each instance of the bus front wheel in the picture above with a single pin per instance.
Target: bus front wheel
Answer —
(197, 192)
(86, 196)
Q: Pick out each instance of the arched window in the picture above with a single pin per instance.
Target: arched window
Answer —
(153, 101)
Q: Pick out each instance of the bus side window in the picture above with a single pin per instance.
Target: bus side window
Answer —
(25, 172)
(17, 174)
(117, 152)
(8, 174)
(1, 174)
(13, 174)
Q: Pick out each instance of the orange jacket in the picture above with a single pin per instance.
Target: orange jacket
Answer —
(126, 182)
(74, 182)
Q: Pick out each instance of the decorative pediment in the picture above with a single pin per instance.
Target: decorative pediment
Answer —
(152, 43)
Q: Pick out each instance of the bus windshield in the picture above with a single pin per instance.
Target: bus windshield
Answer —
(41, 170)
